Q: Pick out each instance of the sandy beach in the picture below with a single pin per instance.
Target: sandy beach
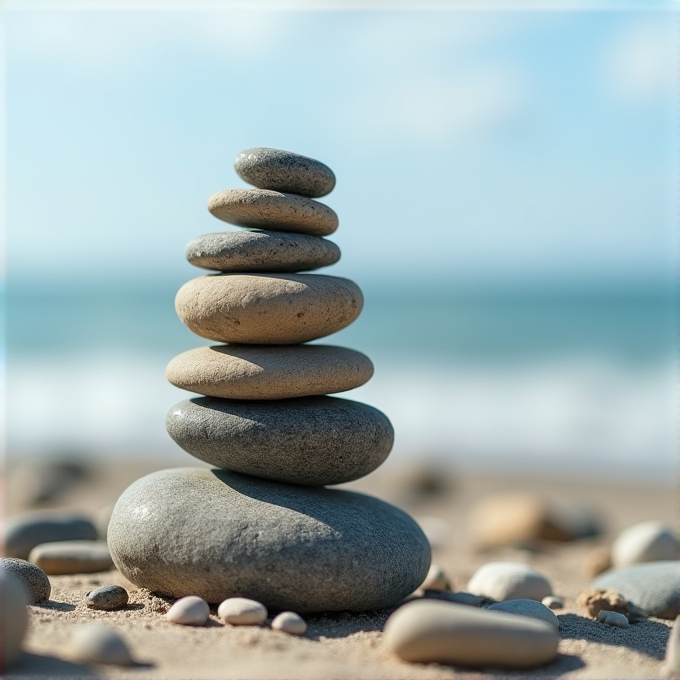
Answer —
(345, 645)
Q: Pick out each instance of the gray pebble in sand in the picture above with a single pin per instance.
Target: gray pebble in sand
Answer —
(72, 557)
(33, 578)
(107, 598)
(261, 251)
(24, 532)
(653, 588)
(280, 170)
(531, 608)
(313, 441)
(214, 533)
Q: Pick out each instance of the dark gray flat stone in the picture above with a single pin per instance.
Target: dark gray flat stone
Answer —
(34, 579)
(653, 587)
(217, 534)
(280, 170)
(24, 532)
(313, 441)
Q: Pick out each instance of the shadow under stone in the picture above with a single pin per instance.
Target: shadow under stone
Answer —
(55, 606)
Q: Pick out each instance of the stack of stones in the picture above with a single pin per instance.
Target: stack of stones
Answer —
(261, 524)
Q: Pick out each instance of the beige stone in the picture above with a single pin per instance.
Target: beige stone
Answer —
(436, 579)
(72, 557)
(257, 372)
(595, 600)
(242, 611)
(289, 622)
(268, 309)
(273, 210)
(442, 632)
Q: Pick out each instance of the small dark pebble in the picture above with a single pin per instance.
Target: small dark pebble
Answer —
(34, 578)
(107, 598)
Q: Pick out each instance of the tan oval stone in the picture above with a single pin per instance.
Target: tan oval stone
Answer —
(274, 210)
(249, 372)
(442, 632)
(268, 309)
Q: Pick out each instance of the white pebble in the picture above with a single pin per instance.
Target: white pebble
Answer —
(435, 579)
(645, 542)
(97, 643)
(189, 611)
(509, 581)
(553, 602)
(240, 611)
(612, 619)
(289, 622)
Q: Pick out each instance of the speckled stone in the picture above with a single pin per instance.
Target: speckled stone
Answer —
(645, 542)
(248, 372)
(33, 578)
(273, 210)
(242, 611)
(72, 557)
(441, 632)
(280, 170)
(289, 547)
(289, 622)
(268, 309)
(189, 611)
(653, 588)
(314, 441)
(23, 532)
(100, 644)
(509, 581)
(261, 251)
(531, 608)
(13, 617)
(107, 598)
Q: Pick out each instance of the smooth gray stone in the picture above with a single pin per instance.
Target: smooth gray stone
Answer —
(100, 644)
(261, 251)
(653, 587)
(72, 557)
(536, 610)
(107, 598)
(313, 441)
(34, 578)
(280, 170)
(13, 617)
(217, 534)
(24, 532)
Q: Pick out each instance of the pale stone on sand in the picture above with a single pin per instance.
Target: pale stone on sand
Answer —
(72, 557)
(189, 611)
(436, 579)
(553, 602)
(440, 632)
(100, 644)
(33, 578)
(509, 581)
(645, 542)
(242, 611)
(14, 600)
(268, 309)
(289, 622)
(262, 372)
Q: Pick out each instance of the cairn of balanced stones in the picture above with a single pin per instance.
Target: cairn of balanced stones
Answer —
(261, 523)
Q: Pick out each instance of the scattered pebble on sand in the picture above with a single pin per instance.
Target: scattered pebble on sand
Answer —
(14, 617)
(553, 602)
(531, 608)
(189, 611)
(241, 611)
(612, 619)
(72, 557)
(99, 643)
(289, 622)
(33, 578)
(645, 542)
(509, 581)
(436, 579)
(595, 600)
(107, 598)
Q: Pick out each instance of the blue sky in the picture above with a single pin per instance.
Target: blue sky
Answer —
(485, 146)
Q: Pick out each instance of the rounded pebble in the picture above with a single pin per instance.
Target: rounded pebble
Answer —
(653, 587)
(509, 581)
(645, 542)
(242, 611)
(280, 170)
(273, 210)
(189, 611)
(254, 373)
(268, 309)
(107, 598)
(427, 631)
(23, 532)
(292, 548)
(436, 579)
(72, 557)
(553, 602)
(613, 619)
(32, 577)
(14, 600)
(289, 622)
(317, 440)
(98, 643)
(530, 608)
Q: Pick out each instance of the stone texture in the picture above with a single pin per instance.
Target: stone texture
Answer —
(530, 608)
(440, 632)
(260, 372)
(509, 581)
(289, 622)
(645, 542)
(653, 588)
(261, 251)
(13, 617)
(107, 598)
(72, 557)
(24, 532)
(302, 549)
(273, 210)
(32, 577)
(268, 309)
(100, 644)
(594, 600)
(242, 611)
(313, 441)
(280, 170)
(189, 611)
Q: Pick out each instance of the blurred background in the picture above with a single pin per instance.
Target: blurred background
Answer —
(507, 194)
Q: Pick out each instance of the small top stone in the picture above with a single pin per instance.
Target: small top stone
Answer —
(280, 170)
